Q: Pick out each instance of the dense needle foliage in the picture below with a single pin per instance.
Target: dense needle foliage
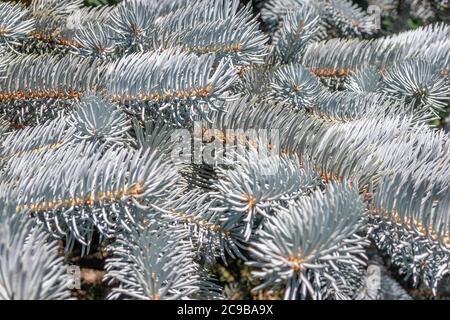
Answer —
(185, 139)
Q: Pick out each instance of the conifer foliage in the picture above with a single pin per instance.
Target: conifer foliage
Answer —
(288, 137)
